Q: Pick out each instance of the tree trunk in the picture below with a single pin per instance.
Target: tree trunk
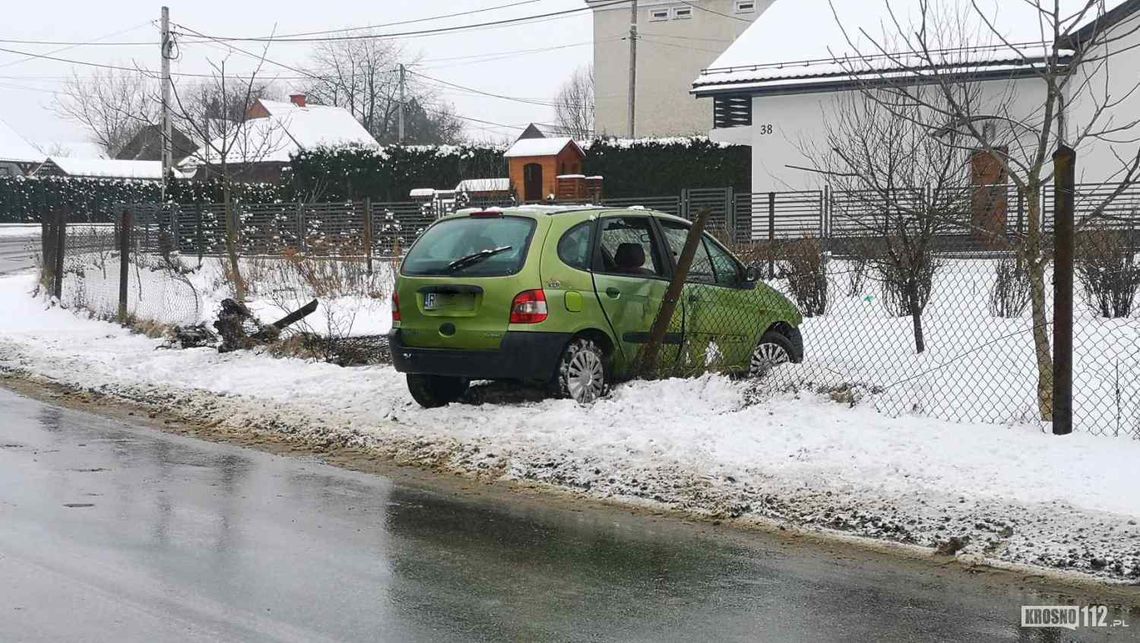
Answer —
(1035, 264)
(916, 319)
(231, 239)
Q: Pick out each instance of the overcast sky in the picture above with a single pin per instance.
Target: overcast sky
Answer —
(27, 83)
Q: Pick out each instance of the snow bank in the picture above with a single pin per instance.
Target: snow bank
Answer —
(708, 445)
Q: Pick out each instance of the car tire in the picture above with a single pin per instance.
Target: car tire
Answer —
(433, 391)
(583, 373)
(771, 351)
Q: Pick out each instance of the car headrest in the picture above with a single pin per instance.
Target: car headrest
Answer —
(629, 256)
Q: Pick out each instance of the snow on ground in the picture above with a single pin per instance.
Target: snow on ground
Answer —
(20, 230)
(709, 445)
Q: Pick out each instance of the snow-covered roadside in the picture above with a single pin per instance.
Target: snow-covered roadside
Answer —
(700, 445)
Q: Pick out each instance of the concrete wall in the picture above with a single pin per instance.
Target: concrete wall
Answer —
(670, 54)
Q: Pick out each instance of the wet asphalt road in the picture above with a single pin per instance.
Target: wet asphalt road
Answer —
(16, 253)
(118, 532)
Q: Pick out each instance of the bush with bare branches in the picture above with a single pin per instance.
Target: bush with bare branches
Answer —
(1009, 296)
(1107, 268)
(805, 265)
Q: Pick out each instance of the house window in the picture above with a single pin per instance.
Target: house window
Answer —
(657, 15)
(732, 111)
(682, 13)
(745, 6)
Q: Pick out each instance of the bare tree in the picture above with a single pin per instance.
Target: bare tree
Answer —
(216, 112)
(428, 125)
(112, 105)
(574, 104)
(897, 189)
(1062, 96)
(360, 75)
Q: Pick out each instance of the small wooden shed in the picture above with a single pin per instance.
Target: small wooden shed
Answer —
(535, 162)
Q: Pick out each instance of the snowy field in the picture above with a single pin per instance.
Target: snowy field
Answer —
(708, 445)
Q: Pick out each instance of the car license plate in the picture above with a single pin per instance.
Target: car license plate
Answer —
(432, 301)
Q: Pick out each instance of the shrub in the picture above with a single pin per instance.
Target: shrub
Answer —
(1009, 296)
(805, 265)
(1106, 266)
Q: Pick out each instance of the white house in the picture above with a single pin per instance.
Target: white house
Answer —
(676, 39)
(778, 86)
(274, 131)
(17, 156)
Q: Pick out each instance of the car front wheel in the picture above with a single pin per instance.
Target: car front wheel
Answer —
(582, 372)
(772, 350)
(431, 391)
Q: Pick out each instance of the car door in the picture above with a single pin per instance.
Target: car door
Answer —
(631, 276)
(720, 309)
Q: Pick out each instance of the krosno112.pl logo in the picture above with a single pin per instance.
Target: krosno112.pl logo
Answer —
(1068, 616)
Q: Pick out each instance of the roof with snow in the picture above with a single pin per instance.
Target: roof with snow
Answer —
(101, 168)
(287, 130)
(800, 43)
(484, 185)
(14, 148)
(541, 147)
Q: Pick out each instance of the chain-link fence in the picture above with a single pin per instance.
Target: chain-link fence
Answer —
(945, 315)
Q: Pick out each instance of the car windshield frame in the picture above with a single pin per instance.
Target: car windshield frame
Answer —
(440, 267)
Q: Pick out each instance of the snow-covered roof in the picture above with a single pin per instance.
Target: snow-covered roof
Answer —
(108, 168)
(539, 147)
(484, 185)
(419, 193)
(14, 148)
(287, 130)
(802, 40)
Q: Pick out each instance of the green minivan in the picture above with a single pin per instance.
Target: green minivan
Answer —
(565, 297)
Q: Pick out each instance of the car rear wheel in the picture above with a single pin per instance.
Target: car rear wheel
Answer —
(583, 374)
(771, 351)
(431, 391)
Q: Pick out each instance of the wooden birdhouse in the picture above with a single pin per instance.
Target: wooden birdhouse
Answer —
(536, 161)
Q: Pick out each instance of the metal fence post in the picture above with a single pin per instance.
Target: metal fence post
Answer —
(125, 224)
(1064, 163)
(368, 233)
(771, 235)
(58, 253)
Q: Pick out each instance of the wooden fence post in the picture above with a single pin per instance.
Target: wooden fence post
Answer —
(1064, 167)
(368, 233)
(47, 251)
(59, 252)
(125, 224)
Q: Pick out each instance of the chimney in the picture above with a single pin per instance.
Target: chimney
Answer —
(297, 99)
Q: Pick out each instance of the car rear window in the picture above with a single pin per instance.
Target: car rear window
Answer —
(471, 247)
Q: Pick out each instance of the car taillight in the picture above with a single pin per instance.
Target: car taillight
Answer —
(395, 306)
(529, 307)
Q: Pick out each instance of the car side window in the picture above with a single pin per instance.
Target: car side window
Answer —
(725, 267)
(574, 246)
(701, 271)
(628, 246)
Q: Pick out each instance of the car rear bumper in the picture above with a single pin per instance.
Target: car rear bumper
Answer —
(522, 356)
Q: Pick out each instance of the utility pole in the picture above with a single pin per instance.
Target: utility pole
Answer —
(1064, 184)
(167, 125)
(632, 64)
(401, 129)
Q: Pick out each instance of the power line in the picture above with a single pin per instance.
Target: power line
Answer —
(424, 32)
(481, 92)
(62, 49)
(404, 22)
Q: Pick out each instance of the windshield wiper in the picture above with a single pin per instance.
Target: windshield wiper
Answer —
(472, 259)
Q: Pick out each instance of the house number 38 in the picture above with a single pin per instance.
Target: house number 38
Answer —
(765, 129)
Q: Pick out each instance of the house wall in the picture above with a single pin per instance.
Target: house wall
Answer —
(670, 54)
(1114, 85)
(788, 130)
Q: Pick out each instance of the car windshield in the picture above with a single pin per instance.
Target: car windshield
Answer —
(471, 247)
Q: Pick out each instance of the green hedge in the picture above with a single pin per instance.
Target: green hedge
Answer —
(631, 169)
(664, 167)
(390, 173)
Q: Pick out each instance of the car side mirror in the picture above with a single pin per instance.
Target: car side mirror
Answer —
(751, 274)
